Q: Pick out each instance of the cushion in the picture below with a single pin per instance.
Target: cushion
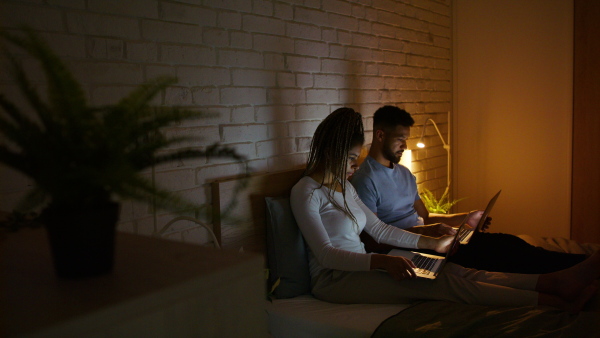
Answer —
(287, 257)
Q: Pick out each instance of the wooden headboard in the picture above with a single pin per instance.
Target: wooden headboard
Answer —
(244, 225)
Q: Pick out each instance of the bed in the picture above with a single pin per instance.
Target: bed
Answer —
(258, 218)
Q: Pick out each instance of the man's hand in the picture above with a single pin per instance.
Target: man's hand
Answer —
(433, 230)
(475, 216)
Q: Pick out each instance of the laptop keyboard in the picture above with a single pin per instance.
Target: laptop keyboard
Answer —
(463, 233)
(424, 264)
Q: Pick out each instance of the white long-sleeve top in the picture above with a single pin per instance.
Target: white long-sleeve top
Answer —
(332, 237)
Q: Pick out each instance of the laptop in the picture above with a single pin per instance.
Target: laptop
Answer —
(429, 266)
(466, 233)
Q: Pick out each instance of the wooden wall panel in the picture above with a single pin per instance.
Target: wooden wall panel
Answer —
(585, 215)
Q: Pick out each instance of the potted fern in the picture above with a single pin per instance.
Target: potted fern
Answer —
(438, 206)
(84, 159)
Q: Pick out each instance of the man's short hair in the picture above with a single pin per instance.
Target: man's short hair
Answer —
(388, 117)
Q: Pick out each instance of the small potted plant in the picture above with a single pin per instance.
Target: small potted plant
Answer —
(441, 206)
(84, 159)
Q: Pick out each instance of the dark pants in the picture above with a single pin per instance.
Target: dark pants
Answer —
(509, 253)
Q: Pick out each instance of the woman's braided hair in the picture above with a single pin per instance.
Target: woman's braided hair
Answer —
(335, 136)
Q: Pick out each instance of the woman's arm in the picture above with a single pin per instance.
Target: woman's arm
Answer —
(401, 268)
(385, 233)
(306, 203)
(440, 244)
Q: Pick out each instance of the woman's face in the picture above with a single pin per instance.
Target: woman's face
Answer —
(352, 165)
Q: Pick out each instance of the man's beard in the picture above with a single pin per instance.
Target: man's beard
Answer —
(391, 156)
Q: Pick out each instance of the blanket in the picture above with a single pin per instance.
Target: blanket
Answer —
(561, 244)
(446, 319)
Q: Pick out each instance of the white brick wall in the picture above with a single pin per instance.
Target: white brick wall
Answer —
(272, 69)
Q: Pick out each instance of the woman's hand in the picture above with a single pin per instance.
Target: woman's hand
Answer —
(475, 216)
(398, 267)
(440, 244)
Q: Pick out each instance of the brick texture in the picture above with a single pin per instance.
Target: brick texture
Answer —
(272, 70)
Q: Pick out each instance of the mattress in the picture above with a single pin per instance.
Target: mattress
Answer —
(306, 316)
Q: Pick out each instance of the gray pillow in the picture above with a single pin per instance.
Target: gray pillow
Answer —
(287, 257)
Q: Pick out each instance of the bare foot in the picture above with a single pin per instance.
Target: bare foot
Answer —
(570, 283)
(572, 306)
(577, 305)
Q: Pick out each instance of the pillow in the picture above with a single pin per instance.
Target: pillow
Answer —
(287, 257)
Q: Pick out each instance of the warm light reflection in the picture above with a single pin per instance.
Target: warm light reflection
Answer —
(406, 159)
(421, 145)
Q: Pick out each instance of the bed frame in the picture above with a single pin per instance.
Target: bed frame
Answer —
(243, 226)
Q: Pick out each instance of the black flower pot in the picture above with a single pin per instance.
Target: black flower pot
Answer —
(82, 239)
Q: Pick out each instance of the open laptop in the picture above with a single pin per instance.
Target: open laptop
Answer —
(429, 266)
(465, 233)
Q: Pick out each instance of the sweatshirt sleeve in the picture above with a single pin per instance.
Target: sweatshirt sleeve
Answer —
(306, 203)
(385, 233)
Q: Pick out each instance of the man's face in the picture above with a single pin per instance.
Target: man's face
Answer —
(394, 143)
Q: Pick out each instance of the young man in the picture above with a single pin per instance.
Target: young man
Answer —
(390, 191)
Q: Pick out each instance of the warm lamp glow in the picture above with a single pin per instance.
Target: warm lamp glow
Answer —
(421, 145)
(406, 159)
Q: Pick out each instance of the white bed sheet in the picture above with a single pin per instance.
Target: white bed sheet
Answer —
(306, 316)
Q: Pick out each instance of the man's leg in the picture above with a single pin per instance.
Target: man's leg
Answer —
(509, 253)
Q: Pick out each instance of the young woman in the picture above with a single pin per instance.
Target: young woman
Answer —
(331, 217)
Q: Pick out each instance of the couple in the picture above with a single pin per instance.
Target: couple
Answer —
(390, 191)
(331, 216)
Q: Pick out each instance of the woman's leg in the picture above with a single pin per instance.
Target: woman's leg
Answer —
(573, 306)
(568, 289)
(378, 287)
(511, 280)
(570, 282)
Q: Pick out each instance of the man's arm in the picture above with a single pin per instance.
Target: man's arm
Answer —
(433, 230)
(450, 219)
(435, 224)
